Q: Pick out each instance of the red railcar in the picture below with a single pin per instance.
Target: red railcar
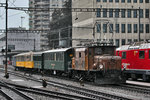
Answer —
(135, 60)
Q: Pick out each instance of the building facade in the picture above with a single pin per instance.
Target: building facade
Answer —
(119, 21)
(39, 20)
(21, 40)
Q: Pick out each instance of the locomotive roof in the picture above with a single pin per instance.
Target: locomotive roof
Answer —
(131, 47)
(58, 50)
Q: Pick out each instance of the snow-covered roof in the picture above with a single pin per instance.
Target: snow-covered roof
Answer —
(80, 49)
(125, 47)
(26, 53)
(57, 50)
(144, 46)
(131, 47)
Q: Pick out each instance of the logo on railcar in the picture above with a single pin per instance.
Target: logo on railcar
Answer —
(125, 65)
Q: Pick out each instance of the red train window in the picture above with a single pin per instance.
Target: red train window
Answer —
(149, 54)
(123, 55)
(141, 54)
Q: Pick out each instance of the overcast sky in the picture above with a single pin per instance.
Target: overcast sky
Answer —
(14, 16)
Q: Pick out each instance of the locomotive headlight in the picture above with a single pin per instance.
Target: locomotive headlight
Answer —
(101, 66)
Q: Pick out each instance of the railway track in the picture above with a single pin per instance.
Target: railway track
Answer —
(135, 88)
(48, 93)
(82, 91)
(19, 94)
(5, 95)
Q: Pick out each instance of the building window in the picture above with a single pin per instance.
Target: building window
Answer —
(123, 28)
(111, 28)
(141, 1)
(147, 28)
(135, 28)
(117, 28)
(117, 42)
(141, 54)
(141, 28)
(104, 28)
(105, 13)
(147, 13)
(135, 13)
(135, 40)
(110, 0)
(129, 28)
(11, 47)
(98, 0)
(98, 12)
(111, 13)
(141, 13)
(129, 41)
(123, 13)
(104, 0)
(117, 13)
(146, 1)
(123, 41)
(116, 0)
(129, 1)
(135, 1)
(129, 13)
(123, 55)
(123, 1)
(98, 28)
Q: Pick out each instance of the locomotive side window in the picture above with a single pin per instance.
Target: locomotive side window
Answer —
(141, 54)
(79, 54)
(118, 53)
(149, 54)
(123, 55)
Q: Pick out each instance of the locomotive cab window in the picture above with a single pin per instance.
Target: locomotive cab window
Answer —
(141, 54)
(123, 55)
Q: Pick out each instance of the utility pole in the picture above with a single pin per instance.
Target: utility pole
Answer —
(34, 44)
(69, 36)
(139, 25)
(6, 74)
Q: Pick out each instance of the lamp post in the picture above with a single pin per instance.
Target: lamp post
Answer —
(6, 74)
(139, 25)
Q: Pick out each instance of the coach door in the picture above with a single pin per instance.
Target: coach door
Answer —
(80, 58)
(91, 58)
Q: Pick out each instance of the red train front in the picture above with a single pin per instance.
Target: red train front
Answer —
(135, 60)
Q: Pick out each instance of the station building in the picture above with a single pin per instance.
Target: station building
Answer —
(19, 40)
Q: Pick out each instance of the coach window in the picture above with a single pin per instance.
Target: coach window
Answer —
(123, 55)
(141, 54)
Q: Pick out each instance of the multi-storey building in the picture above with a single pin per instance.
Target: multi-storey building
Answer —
(117, 20)
(39, 20)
